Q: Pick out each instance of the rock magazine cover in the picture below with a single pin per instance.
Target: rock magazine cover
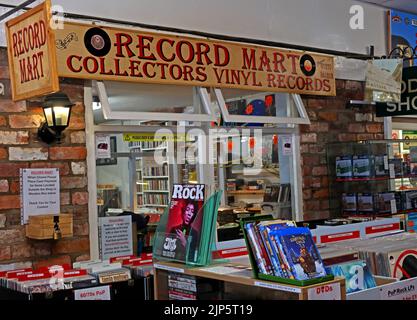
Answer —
(185, 217)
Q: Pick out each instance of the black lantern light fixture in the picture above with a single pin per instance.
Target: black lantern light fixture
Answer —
(57, 111)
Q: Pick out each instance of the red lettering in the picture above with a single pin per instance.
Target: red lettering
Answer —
(178, 74)
(15, 49)
(23, 75)
(226, 56)
(291, 86)
(88, 68)
(134, 69)
(255, 83)
(19, 34)
(309, 84)
(162, 67)
(160, 51)
(36, 36)
(218, 76)
(42, 33)
(70, 64)
(281, 81)
(25, 36)
(31, 37)
(179, 51)
(318, 84)
(264, 62)
(146, 71)
(142, 47)
(188, 73)
(202, 51)
(103, 67)
(294, 58)
(326, 85)
(235, 76)
(300, 83)
(279, 62)
(201, 74)
(123, 40)
(248, 61)
(35, 67)
(117, 65)
(271, 80)
(246, 77)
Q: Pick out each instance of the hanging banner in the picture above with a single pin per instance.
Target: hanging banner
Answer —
(32, 55)
(106, 53)
(408, 104)
(383, 80)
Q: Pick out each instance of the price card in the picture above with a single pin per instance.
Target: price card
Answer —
(325, 292)
(391, 170)
(97, 293)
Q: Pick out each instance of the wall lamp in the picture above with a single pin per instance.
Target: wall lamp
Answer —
(57, 112)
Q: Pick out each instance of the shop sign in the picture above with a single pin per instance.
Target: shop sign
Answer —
(408, 104)
(107, 53)
(39, 192)
(116, 236)
(155, 137)
(96, 293)
(402, 290)
(325, 292)
(31, 52)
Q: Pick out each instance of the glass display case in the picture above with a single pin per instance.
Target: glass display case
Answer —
(373, 178)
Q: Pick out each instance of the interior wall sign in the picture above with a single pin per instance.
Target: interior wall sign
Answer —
(408, 104)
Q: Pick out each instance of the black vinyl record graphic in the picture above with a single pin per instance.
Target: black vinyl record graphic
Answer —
(97, 42)
(308, 70)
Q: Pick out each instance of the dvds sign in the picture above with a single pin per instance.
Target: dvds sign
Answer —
(106, 53)
(408, 104)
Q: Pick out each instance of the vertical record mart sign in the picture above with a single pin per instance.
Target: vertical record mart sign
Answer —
(32, 54)
(106, 53)
(408, 104)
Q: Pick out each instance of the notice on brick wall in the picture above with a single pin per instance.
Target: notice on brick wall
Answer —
(116, 236)
(39, 192)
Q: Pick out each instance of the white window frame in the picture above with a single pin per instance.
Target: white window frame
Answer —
(108, 114)
(302, 119)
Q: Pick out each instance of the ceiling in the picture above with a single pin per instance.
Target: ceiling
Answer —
(402, 5)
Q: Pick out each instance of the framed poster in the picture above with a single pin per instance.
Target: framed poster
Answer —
(113, 150)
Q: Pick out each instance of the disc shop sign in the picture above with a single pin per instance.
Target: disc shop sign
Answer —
(106, 53)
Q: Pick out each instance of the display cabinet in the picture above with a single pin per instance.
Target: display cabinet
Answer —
(372, 178)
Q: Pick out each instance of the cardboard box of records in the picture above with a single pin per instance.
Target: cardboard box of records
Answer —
(55, 227)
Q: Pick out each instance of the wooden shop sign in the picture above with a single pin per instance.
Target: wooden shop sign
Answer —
(39, 55)
(106, 53)
(31, 52)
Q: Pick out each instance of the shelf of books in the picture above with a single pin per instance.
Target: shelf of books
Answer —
(152, 177)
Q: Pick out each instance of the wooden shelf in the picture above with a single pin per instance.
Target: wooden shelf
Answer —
(242, 277)
(156, 191)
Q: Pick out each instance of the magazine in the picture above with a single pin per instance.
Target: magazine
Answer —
(183, 228)
(301, 252)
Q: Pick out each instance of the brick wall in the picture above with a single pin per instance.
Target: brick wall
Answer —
(331, 121)
(21, 148)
